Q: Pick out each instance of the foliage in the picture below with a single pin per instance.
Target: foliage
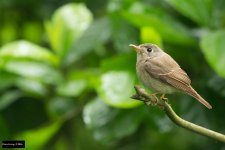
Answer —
(67, 74)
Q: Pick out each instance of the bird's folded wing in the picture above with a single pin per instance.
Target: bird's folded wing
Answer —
(168, 71)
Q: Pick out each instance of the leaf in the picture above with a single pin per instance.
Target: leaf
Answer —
(32, 86)
(115, 89)
(217, 19)
(149, 35)
(67, 25)
(213, 47)
(108, 124)
(8, 31)
(97, 34)
(26, 50)
(59, 107)
(7, 80)
(8, 98)
(199, 11)
(33, 31)
(72, 87)
(123, 34)
(33, 70)
(96, 113)
(37, 138)
(217, 84)
(161, 22)
(119, 62)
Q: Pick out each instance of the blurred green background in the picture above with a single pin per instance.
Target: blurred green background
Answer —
(66, 72)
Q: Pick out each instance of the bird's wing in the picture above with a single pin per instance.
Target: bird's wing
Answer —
(168, 71)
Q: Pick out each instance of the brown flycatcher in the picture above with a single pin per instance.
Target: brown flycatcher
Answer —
(160, 72)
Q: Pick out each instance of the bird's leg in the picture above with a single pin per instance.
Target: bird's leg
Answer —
(142, 95)
(163, 97)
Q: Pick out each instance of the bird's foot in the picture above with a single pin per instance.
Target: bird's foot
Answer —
(142, 95)
(163, 98)
(153, 101)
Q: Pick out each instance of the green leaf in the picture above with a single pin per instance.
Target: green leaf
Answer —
(26, 50)
(217, 19)
(150, 35)
(59, 107)
(8, 31)
(97, 34)
(89, 75)
(72, 87)
(199, 11)
(119, 62)
(108, 124)
(33, 31)
(96, 113)
(213, 48)
(160, 21)
(33, 70)
(116, 87)
(67, 25)
(123, 33)
(7, 79)
(36, 139)
(32, 86)
(8, 98)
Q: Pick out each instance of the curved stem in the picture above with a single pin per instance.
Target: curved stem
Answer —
(142, 95)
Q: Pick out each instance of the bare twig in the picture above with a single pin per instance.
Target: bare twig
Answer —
(142, 95)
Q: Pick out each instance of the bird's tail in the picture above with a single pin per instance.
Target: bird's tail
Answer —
(194, 94)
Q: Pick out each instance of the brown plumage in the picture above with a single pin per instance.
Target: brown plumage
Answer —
(160, 72)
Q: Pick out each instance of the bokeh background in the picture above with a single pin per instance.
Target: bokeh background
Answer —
(66, 72)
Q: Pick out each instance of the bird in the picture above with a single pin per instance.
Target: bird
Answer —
(158, 71)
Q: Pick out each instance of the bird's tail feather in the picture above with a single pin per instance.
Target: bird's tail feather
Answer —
(194, 94)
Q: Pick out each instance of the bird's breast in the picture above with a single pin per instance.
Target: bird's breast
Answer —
(152, 83)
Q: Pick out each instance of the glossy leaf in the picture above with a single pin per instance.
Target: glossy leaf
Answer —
(213, 48)
(32, 70)
(32, 86)
(116, 87)
(91, 38)
(89, 76)
(199, 11)
(26, 50)
(159, 20)
(110, 124)
(8, 98)
(72, 87)
(67, 25)
(97, 113)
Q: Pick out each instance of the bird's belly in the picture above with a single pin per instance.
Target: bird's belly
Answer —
(154, 84)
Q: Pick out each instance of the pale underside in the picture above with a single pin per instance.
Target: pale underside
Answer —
(164, 76)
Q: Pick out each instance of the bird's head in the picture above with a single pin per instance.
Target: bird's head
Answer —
(147, 50)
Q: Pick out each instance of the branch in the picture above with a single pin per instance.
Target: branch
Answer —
(142, 95)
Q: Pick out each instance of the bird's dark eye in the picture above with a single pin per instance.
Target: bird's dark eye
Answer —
(149, 49)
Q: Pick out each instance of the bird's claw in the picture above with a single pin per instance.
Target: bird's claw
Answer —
(163, 98)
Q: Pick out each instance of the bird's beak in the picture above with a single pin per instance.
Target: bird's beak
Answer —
(136, 48)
